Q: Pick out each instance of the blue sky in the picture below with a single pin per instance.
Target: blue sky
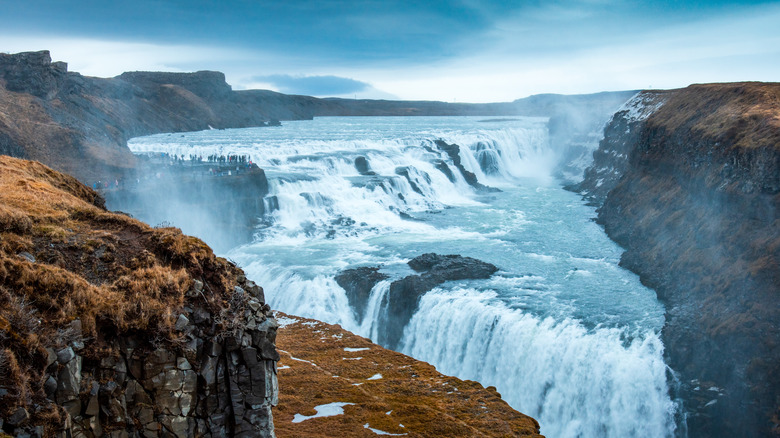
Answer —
(467, 50)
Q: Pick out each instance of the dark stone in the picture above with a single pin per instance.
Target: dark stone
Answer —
(453, 151)
(445, 169)
(19, 416)
(362, 166)
(404, 294)
(404, 172)
(357, 283)
(33, 73)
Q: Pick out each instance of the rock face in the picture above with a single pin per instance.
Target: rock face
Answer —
(358, 283)
(689, 184)
(33, 73)
(223, 210)
(213, 386)
(111, 328)
(435, 269)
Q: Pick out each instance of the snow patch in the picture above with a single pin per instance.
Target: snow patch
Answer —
(328, 410)
(352, 350)
(641, 106)
(376, 376)
(382, 432)
(284, 321)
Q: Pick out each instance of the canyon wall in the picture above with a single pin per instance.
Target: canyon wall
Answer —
(688, 182)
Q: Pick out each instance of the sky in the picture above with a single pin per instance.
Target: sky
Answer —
(463, 51)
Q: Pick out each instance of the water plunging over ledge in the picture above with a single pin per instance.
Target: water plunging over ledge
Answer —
(563, 333)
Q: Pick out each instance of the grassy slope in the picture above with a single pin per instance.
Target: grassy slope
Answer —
(315, 369)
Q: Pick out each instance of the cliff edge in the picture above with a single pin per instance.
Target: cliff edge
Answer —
(111, 328)
(688, 182)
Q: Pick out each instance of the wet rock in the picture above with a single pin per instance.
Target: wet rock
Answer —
(435, 269)
(357, 283)
(362, 166)
(453, 151)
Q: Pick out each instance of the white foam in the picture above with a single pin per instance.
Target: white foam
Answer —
(574, 381)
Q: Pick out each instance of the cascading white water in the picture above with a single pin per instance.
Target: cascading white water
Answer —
(562, 331)
(577, 382)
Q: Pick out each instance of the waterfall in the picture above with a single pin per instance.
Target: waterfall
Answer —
(575, 382)
(564, 333)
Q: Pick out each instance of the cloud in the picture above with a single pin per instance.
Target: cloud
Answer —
(328, 85)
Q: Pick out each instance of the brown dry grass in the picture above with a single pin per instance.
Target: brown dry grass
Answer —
(316, 370)
(745, 114)
(113, 273)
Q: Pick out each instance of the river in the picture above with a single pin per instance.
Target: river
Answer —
(564, 333)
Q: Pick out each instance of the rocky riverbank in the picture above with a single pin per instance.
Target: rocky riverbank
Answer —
(688, 181)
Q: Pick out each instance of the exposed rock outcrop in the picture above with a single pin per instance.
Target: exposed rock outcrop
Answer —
(453, 151)
(223, 210)
(434, 269)
(404, 294)
(357, 283)
(689, 182)
(111, 328)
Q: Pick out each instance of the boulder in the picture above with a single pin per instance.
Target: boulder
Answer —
(357, 283)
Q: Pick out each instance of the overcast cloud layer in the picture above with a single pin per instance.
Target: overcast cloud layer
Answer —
(466, 50)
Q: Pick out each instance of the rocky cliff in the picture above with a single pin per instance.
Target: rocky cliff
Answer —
(688, 182)
(111, 328)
